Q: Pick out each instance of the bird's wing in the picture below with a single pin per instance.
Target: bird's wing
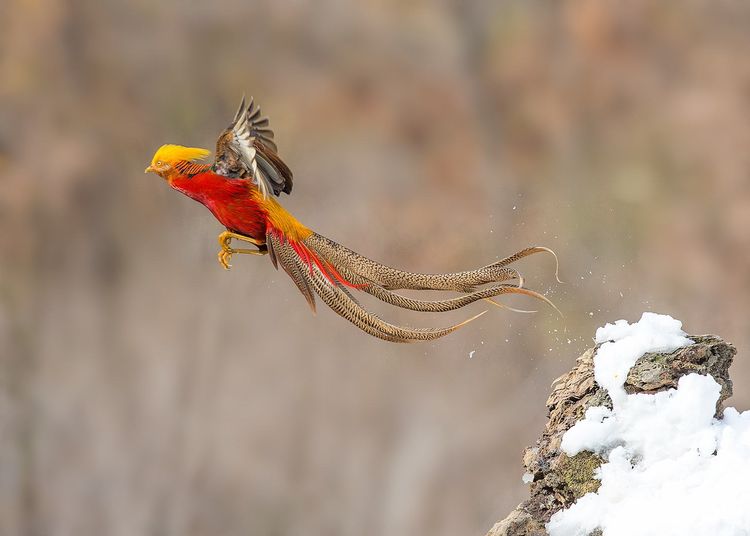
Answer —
(246, 150)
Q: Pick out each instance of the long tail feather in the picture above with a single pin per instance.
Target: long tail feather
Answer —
(320, 266)
(525, 253)
(341, 302)
(428, 306)
(287, 258)
(313, 273)
(378, 279)
(392, 278)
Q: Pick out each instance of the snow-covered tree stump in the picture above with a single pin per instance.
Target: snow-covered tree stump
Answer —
(558, 480)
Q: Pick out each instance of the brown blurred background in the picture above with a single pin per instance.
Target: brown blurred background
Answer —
(146, 391)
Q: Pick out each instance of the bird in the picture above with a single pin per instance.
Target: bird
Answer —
(240, 189)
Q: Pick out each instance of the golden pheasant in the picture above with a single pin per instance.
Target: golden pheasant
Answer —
(239, 189)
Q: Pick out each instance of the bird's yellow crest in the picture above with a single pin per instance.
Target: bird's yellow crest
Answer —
(169, 154)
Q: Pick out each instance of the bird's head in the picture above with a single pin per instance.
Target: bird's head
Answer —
(168, 155)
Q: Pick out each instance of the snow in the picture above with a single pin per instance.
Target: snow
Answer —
(624, 343)
(671, 468)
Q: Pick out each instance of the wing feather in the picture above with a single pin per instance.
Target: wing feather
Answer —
(246, 150)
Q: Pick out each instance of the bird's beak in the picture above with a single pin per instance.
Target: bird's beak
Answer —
(149, 169)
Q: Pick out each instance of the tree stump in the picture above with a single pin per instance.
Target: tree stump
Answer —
(559, 480)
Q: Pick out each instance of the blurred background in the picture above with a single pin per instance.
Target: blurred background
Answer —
(146, 391)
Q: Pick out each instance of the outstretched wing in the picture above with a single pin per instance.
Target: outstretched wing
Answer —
(246, 150)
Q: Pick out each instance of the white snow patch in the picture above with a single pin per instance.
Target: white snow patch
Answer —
(527, 478)
(671, 467)
(624, 343)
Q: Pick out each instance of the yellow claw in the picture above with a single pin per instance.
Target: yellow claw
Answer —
(224, 257)
(227, 251)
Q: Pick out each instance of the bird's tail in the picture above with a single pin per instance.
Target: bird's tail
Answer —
(318, 265)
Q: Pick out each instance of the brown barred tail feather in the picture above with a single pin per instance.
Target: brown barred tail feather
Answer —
(284, 254)
(393, 279)
(308, 271)
(320, 266)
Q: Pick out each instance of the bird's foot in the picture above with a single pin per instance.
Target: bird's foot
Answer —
(225, 239)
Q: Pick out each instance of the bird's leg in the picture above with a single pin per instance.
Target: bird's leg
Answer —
(227, 251)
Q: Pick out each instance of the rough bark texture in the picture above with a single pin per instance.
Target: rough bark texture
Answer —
(558, 479)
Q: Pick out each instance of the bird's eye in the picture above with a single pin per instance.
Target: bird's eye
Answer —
(160, 163)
